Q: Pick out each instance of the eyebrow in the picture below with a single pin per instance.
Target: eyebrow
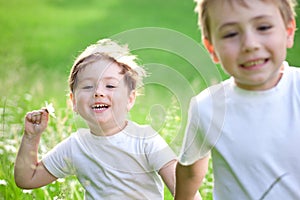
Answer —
(108, 78)
(234, 23)
(111, 78)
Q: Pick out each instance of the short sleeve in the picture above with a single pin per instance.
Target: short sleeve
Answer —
(58, 160)
(195, 145)
(159, 152)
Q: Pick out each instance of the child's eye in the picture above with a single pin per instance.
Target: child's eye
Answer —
(87, 87)
(264, 27)
(110, 86)
(230, 35)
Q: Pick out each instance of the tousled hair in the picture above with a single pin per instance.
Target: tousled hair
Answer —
(106, 49)
(286, 7)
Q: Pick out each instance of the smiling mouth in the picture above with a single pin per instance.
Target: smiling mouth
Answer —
(254, 63)
(100, 107)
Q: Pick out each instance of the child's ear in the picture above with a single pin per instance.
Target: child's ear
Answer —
(291, 28)
(131, 100)
(73, 101)
(210, 48)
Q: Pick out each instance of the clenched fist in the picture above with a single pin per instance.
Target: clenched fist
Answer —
(36, 122)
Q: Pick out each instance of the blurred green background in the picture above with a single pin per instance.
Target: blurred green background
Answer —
(39, 40)
(42, 38)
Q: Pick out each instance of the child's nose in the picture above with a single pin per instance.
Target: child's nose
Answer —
(250, 42)
(99, 92)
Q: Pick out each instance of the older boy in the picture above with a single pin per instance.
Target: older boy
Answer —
(249, 123)
(115, 158)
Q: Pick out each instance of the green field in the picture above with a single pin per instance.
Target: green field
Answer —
(39, 41)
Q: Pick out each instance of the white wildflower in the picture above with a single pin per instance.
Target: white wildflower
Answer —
(50, 109)
(3, 182)
(27, 191)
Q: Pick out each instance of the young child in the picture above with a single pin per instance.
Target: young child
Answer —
(250, 123)
(115, 158)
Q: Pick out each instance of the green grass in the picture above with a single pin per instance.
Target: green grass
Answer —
(13, 109)
(39, 41)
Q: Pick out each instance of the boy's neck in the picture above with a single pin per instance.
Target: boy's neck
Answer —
(108, 131)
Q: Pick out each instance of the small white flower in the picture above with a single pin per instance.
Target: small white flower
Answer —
(50, 109)
(3, 182)
(27, 191)
(61, 180)
(10, 148)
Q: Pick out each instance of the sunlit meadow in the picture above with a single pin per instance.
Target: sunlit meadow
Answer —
(13, 109)
(38, 43)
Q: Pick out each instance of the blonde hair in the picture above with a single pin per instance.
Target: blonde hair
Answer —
(110, 50)
(286, 7)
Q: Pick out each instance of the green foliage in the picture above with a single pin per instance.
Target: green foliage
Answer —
(39, 41)
(12, 113)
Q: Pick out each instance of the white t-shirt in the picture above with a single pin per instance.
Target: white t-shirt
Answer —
(253, 137)
(123, 166)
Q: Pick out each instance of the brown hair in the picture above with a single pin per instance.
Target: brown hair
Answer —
(107, 49)
(286, 7)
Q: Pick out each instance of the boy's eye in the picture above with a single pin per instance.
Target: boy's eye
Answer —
(110, 86)
(264, 27)
(87, 87)
(230, 35)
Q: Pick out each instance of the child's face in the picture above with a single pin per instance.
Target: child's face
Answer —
(102, 98)
(249, 42)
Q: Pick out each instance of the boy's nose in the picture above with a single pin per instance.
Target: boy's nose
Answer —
(250, 42)
(99, 92)
(98, 95)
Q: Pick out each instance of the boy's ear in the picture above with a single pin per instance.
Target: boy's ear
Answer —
(291, 28)
(131, 100)
(210, 48)
(73, 101)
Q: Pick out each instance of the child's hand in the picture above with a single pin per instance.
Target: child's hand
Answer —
(36, 122)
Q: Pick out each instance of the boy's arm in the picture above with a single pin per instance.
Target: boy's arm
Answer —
(189, 179)
(167, 173)
(29, 173)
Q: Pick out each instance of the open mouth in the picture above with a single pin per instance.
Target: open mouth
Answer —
(254, 63)
(100, 107)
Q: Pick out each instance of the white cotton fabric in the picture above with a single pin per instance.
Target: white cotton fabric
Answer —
(123, 166)
(253, 138)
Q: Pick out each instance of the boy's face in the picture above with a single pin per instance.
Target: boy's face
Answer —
(102, 98)
(250, 41)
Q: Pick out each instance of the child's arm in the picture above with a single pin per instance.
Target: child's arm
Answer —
(189, 179)
(167, 173)
(29, 173)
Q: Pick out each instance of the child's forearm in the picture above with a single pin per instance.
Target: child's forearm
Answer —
(27, 160)
(168, 175)
(187, 188)
(189, 179)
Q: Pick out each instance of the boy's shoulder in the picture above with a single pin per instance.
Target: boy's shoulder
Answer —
(295, 70)
(139, 130)
(211, 101)
(290, 69)
(215, 92)
(292, 77)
